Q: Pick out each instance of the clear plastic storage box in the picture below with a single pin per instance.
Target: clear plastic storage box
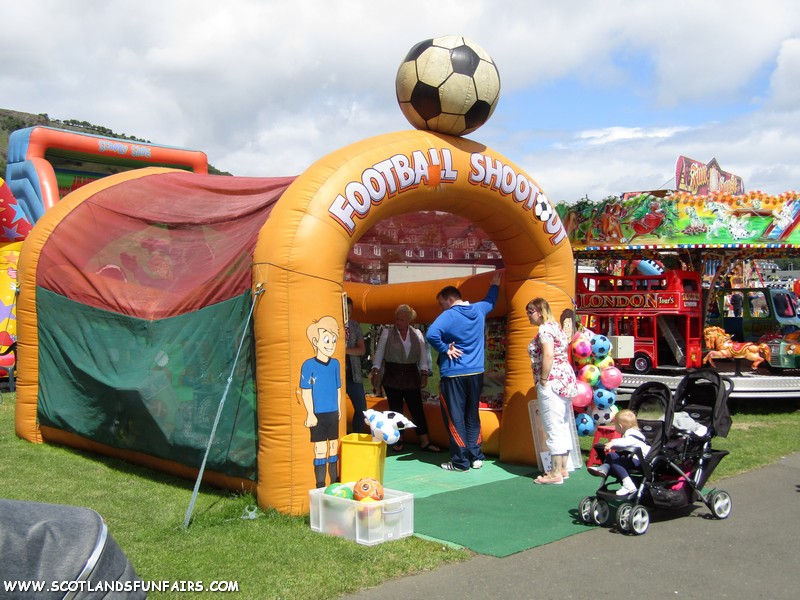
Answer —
(367, 523)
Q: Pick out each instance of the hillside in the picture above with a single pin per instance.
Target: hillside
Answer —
(11, 120)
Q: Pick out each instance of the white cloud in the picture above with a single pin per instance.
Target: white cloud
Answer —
(595, 137)
(267, 88)
(785, 93)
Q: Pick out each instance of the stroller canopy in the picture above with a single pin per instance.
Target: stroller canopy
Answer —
(706, 391)
(652, 402)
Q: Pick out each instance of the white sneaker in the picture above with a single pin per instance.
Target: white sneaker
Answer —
(628, 487)
(477, 464)
(598, 470)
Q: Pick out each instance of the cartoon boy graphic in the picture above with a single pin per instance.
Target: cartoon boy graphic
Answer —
(321, 391)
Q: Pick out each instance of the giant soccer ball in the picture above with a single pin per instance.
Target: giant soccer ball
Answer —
(448, 84)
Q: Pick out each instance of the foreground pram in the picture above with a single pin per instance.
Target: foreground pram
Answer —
(66, 551)
(679, 429)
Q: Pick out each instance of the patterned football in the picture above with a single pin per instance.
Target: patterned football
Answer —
(604, 416)
(604, 398)
(584, 424)
(542, 209)
(447, 84)
(368, 487)
(601, 345)
(386, 426)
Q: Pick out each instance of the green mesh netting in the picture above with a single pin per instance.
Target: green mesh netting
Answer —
(151, 386)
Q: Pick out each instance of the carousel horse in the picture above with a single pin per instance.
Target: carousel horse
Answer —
(720, 345)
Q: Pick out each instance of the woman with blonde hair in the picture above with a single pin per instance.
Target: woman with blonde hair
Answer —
(402, 353)
(555, 386)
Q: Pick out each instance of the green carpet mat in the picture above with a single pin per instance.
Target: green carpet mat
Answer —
(496, 510)
(504, 517)
(421, 474)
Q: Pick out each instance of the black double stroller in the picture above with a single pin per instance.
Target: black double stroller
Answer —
(679, 428)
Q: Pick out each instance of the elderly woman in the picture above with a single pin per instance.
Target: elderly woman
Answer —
(555, 386)
(402, 353)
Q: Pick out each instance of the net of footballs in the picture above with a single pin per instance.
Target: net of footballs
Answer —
(598, 380)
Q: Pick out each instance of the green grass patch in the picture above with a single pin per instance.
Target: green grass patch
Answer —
(274, 555)
(270, 556)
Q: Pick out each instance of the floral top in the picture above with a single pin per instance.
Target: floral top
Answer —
(562, 375)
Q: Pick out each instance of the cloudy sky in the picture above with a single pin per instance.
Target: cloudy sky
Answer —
(597, 98)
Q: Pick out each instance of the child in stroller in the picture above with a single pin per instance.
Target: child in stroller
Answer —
(679, 429)
(619, 464)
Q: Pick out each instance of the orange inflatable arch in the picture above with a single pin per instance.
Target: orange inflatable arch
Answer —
(298, 264)
(301, 258)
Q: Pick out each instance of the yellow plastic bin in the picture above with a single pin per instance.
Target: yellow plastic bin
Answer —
(362, 457)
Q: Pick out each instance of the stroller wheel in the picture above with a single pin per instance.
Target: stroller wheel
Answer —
(624, 516)
(640, 519)
(600, 512)
(719, 502)
(585, 510)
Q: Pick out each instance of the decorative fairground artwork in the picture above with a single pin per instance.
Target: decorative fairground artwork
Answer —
(320, 391)
(696, 178)
(681, 219)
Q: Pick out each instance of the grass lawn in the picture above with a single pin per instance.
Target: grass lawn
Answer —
(273, 555)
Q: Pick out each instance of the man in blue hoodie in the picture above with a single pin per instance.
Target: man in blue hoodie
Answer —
(457, 334)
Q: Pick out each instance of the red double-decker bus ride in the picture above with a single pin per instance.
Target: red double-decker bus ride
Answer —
(662, 313)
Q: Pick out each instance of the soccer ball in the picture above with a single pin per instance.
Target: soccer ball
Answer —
(601, 416)
(381, 428)
(581, 348)
(448, 84)
(601, 346)
(604, 398)
(604, 363)
(590, 374)
(386, 426)
(579, 362)
(368, 487)
(399, 420)
(340, 490)
(542, 209)
(585, 424)
(604, 416)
